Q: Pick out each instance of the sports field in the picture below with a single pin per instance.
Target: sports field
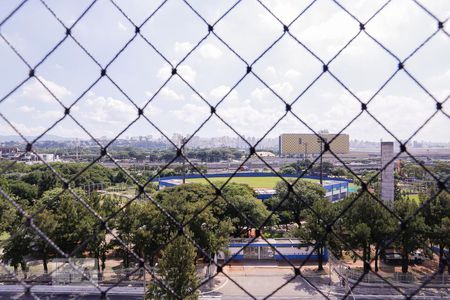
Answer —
(254, 182)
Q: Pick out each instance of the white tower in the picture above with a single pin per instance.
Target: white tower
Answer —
(387, 175)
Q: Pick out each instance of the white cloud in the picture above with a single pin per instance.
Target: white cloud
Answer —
(292, 74)
(171, 94)
(48, 114)
(287, 68)
(152, 111)
(184, 71)
(37, 91)
(259, 93)
(26, 109)
(334, 34)
(25, 129)
(210, 51)
(284, 89)
(271, 70)
(148, 94)
(192, 113)
(187, 73)
(249, 118)
(183, 47)
(196, 98)
(106, 110)
(121, 26)
(217, 93)
(164, 72)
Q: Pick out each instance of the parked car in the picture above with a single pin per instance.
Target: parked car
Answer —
(393, 256)
(417, 257)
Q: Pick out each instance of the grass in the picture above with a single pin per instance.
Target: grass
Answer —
(253, 182)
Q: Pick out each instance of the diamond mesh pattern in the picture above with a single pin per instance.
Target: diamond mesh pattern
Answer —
(249, 68)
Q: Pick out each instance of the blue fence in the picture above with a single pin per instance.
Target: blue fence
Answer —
(294, 251)
(252, 174)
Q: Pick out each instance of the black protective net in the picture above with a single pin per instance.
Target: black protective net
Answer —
(246, 68)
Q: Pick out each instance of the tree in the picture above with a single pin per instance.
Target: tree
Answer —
(17, 248)
(120, 177)
(126, 227)
(190, 202)
(176, 269)
(441, 169)
(150, 230)
(366, 223)
(63, 220)
(7, 210)
(314, 229)
(413, 235)
(437, 218)
(46, 223)
(23, 190)
(306, 193)
(341, 172)
(143, 228)
(444, 231)
(238, 201)
(381, 226)
(99, 245)
(288, 170)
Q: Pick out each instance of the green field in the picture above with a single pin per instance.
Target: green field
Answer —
(254, 182)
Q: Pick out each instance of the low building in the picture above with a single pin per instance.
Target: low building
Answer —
(265, 154)
(47, 157)
(260, 249)
(9, 152)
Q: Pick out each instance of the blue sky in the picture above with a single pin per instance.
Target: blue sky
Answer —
(212, 69)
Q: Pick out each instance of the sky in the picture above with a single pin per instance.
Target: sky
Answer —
(181, 103)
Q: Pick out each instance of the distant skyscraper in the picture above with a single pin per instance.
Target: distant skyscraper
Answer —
(387, 175)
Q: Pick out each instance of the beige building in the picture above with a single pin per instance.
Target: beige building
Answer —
(295, 144)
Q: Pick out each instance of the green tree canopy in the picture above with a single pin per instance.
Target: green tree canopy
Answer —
(413, 235)
(176, 269)
(294, 203)
(314, 229)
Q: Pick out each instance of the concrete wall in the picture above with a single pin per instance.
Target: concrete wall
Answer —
(387, 175)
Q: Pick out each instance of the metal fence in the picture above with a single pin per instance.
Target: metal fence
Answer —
(248, 70)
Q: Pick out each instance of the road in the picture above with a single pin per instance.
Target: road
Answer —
(69, 292)
(260, 283)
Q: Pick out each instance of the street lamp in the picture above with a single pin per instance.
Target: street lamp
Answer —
(320, 141)
(183, 144)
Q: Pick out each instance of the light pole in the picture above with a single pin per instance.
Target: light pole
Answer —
(319, 139)
(183, 141)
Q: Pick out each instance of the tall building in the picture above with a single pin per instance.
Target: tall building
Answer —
(387, 175)
(296, 144)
